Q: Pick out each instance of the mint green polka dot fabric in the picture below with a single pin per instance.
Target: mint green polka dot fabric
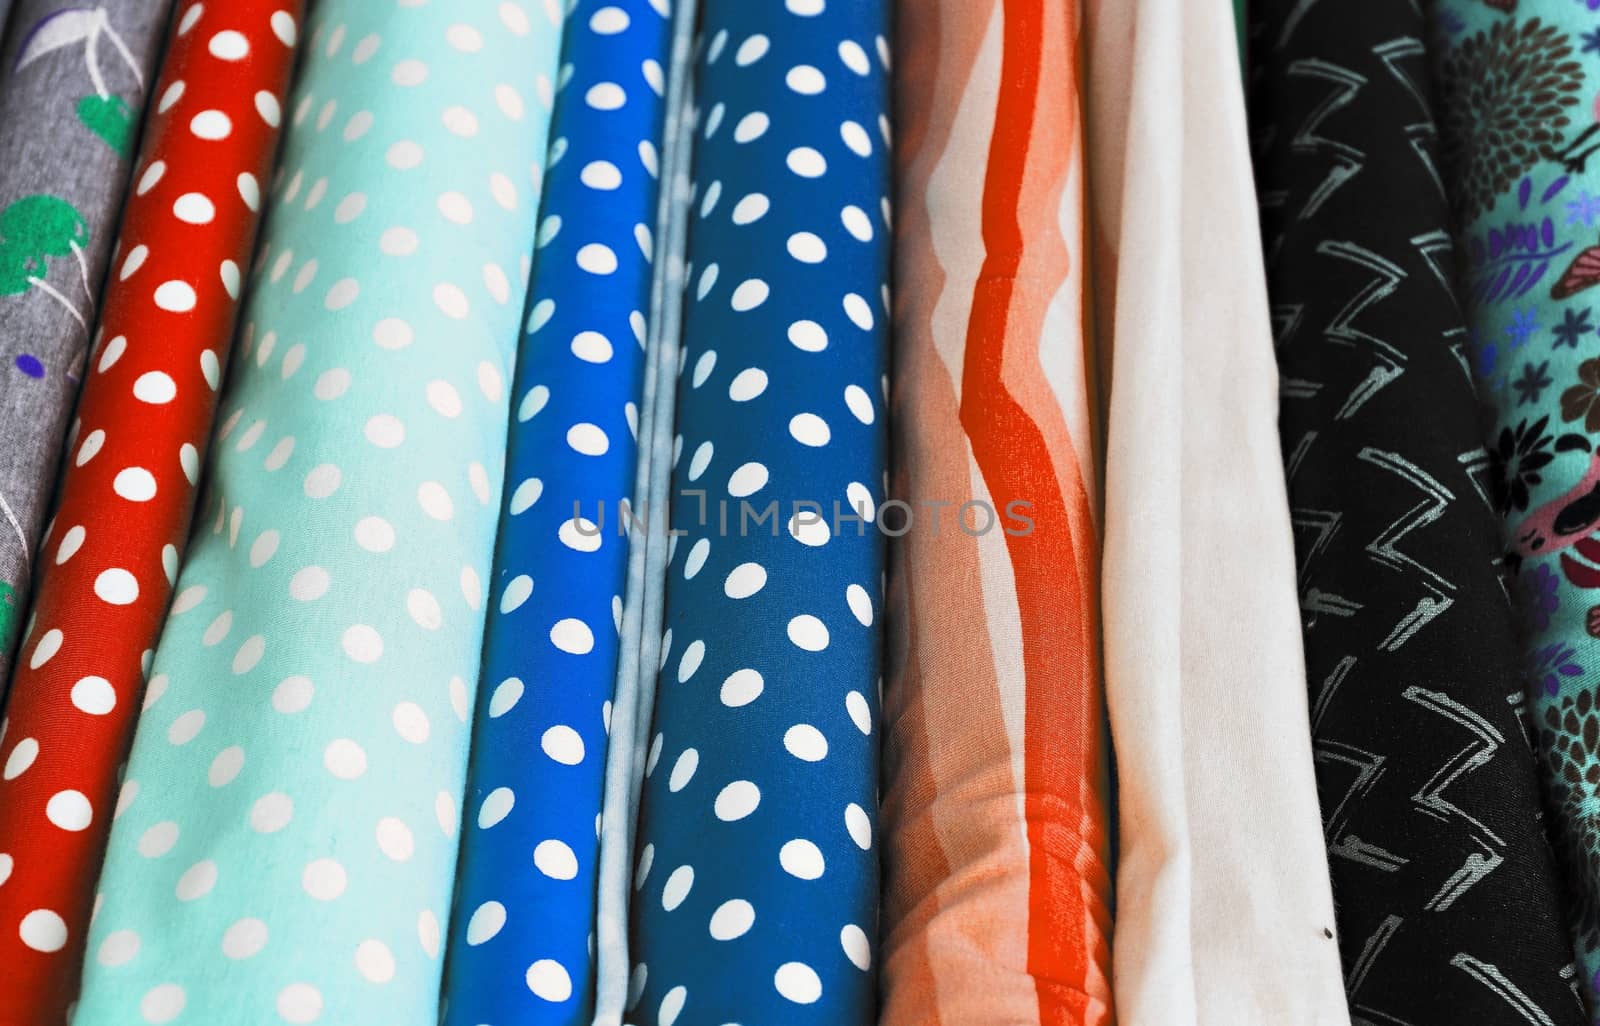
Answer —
(285, 839)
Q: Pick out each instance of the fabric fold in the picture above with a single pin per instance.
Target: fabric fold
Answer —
(1517, 139)
(1449, 902)
(996, 812)
(756, 879)
(72, 94)
(1224, 911)
(286, 839)
(522, 930)
(127, 491)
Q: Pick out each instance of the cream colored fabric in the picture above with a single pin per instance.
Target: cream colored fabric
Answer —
(1224, 913)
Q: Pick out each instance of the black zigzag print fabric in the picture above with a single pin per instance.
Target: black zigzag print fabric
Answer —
(1444, 881)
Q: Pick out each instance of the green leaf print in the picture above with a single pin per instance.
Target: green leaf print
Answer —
(32, 230)
(110, 118)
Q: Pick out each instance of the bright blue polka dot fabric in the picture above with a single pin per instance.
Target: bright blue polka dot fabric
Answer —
(757, 886)
(521, 936)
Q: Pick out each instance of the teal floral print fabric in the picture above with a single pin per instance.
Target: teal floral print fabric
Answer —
(1519, 98)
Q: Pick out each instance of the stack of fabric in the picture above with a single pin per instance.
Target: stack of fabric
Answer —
(693, 512)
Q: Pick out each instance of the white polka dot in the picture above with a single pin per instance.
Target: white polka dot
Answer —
(323, 481)
(854, 57)
(860, 501)
(751, 50)
(324, 879)
(362, 644)
(696, 558)
(806, 162)
(249, 654)
(605, 96)
(119, 948)
(856, 947)
(186, 727)
(808, 632)
(601, 174)
(218, 629)
(580, 535)
(69, 810)
(745, 580)
(451, 301)
(736, 801)
(411, 723)
(271, 813)
(505, 697)
(244, 939)
(672, 1005)
(548, 980)
(163, 1003)
(21, 757)
(677, 887)
(133, 261)
(374, 534)
(608, 21)
(747, 384)
(683, 770)
(194, 208)
(795, 980)
(556, 860)
(597, 258)
(751, 127)
(588, 439)
(402, 156)
(858, 311)
(860, 404)
(395, 839)
(496, 807)
(464, 38)
(749, 295)
(48, 646)
(94, 695)
(809, 429)
(158, 840)
(455, 208)
(805, 742)
(751, 208)
(805, 80)
(527, 493)
(170, 97)
(344, 758)
(805, 8)
(859, 825)
(71, 542)
(435, 500)
(741, 688)
(175, 296)
(572, 636)
(856, 138)
(857, 223)
(591, 347)
(428, 932)
(860, 714)
(116, 587)
(374, 961)
(509, 101)
(151, 177)
(487, 920)
(299, 1003)
(410, 72)
(563, 744)
(197, 881)
(807, 335)
(211, 125)
(385, 431)
(801, 858)
(43, 930)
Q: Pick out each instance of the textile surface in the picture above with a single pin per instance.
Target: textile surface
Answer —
(73, 82)
(1444, 883)
(996, 826)
(288, 830)
(1224, 910)
(1517, 125)
(550, 654)
(128, 489)
(757, 869)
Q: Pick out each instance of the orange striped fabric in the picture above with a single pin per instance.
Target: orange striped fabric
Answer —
(995, 806)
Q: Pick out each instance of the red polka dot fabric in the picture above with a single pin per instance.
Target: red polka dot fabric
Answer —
(109, 559)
